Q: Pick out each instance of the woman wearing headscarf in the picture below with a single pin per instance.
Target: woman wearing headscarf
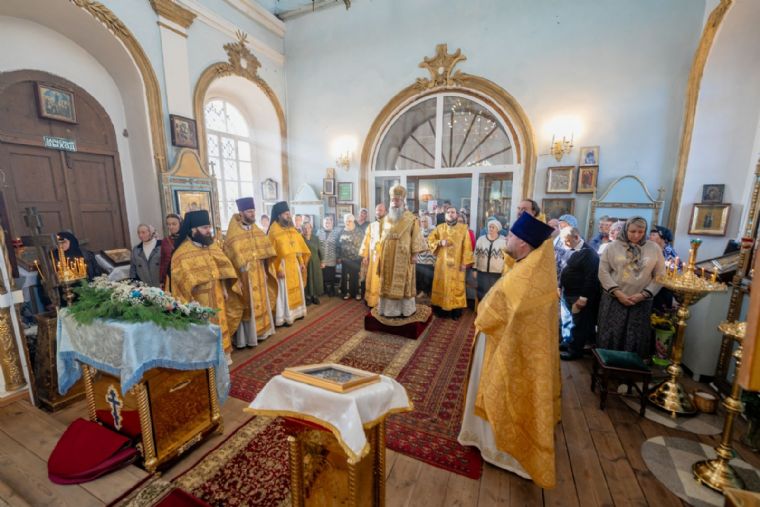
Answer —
(489, 257)
(314, 285)
(628, 270)
(664, 300)
(146, 257)
(72, 250)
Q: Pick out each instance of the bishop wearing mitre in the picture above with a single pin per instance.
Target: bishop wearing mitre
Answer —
(401, 242)
(201, 272)
(248, 248)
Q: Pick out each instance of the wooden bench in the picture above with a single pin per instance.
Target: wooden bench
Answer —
(625, 367)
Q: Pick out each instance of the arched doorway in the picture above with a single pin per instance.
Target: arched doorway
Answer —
(450, 147)
(80, 190)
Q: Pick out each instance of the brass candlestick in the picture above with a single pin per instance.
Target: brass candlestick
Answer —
(688, 288)
(68, 271)
(717, 473)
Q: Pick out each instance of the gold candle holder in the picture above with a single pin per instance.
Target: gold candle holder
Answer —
(688, 288)
(68, 271)
(717, 473)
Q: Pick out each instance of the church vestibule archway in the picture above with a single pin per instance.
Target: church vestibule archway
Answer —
(81, 190)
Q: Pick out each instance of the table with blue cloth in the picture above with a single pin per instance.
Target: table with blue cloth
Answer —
(160, 386)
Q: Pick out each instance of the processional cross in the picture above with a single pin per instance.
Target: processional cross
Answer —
(43, 243)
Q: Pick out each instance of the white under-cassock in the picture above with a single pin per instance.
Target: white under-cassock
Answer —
(397, 307)
(283, 314)
(476, 431)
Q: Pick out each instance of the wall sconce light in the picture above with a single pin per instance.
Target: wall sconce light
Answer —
(561, 148)
(426, 197)
(344, 148)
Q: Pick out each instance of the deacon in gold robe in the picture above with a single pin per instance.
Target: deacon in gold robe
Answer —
(370, 253)
(248, 248)
(287, 269)
(400, 243)
(451, 245)
(513, 395)
(201, 272)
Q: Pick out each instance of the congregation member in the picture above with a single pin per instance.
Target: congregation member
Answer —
(463, 219)
(664, 239)
(489, 257)
(349, 246)
(288, 266)
(603, 235)
(565, 224)
(512, 402)
(502, 230)
(528, 206)
(401, 242)
(554, 224)
(314, 282)
(425, 262)
(248, 248)
(173, 224)
(627, 271)
(71, 250)
(362, 221)
(298, 222)
(615, 230)
(328, 239)
(451, 245)
(201, 272)
(579, 286)
(370, 253)
(145, 263)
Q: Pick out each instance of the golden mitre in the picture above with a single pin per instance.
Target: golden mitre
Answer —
(397, 191)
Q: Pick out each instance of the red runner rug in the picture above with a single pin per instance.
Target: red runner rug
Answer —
(433, 369)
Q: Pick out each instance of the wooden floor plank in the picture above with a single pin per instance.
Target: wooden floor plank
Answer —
(460, 492)
(589, 478)
(565, 494)
(494, 487)
(523, 492)
(432, 485)
(26, 474)
(401, 482)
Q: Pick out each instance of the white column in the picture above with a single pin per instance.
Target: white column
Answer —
(176, 68)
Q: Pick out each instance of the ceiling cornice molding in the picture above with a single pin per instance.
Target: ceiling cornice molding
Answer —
(173, 12)
(318, 5)
(230, 29)
(259, 14)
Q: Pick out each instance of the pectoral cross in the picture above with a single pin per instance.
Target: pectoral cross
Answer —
(113, 399)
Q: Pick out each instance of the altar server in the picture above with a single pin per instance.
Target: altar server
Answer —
(451, 244)
(248, 248)
(287, 269)
(513, 395)
(201, 272)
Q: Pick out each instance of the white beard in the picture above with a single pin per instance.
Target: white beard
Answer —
(394, 214)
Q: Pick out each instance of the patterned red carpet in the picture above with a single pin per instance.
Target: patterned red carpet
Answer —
(433, 369)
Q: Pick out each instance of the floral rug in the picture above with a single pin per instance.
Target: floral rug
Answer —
(433, 369)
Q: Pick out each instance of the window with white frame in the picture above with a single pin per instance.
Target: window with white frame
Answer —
(229, 155)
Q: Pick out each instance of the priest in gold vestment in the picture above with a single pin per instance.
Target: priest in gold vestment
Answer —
(401, 242)
(370, 253)
(513, 394)
(201, 272)
(451, 245)
(248, 248)
(287, 269)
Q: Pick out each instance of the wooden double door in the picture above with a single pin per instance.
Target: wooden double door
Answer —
(80, 191)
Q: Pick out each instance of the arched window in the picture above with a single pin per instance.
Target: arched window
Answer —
(229, 155)
(449, 148)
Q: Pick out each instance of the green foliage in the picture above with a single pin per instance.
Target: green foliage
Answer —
(93, 303)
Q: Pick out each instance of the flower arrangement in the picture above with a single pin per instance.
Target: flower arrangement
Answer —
(133, 301)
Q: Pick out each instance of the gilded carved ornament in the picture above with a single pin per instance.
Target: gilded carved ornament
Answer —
(173, 12)
(441, 69)
(241, 61)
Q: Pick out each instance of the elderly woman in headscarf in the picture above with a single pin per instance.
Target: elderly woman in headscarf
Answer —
(146, 257)
(72, 250)
(628, 270)
(615, 230)
(489, 253)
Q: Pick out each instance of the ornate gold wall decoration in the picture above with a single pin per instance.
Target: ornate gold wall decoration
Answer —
(150, 82)
(173, 12)
(692, 94)
(441, 68)
(511, 112)
(242, 62)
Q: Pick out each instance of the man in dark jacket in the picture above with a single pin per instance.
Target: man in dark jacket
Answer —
(579, 283)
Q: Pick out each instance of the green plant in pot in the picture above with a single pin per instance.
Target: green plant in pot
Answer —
(664, 330)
